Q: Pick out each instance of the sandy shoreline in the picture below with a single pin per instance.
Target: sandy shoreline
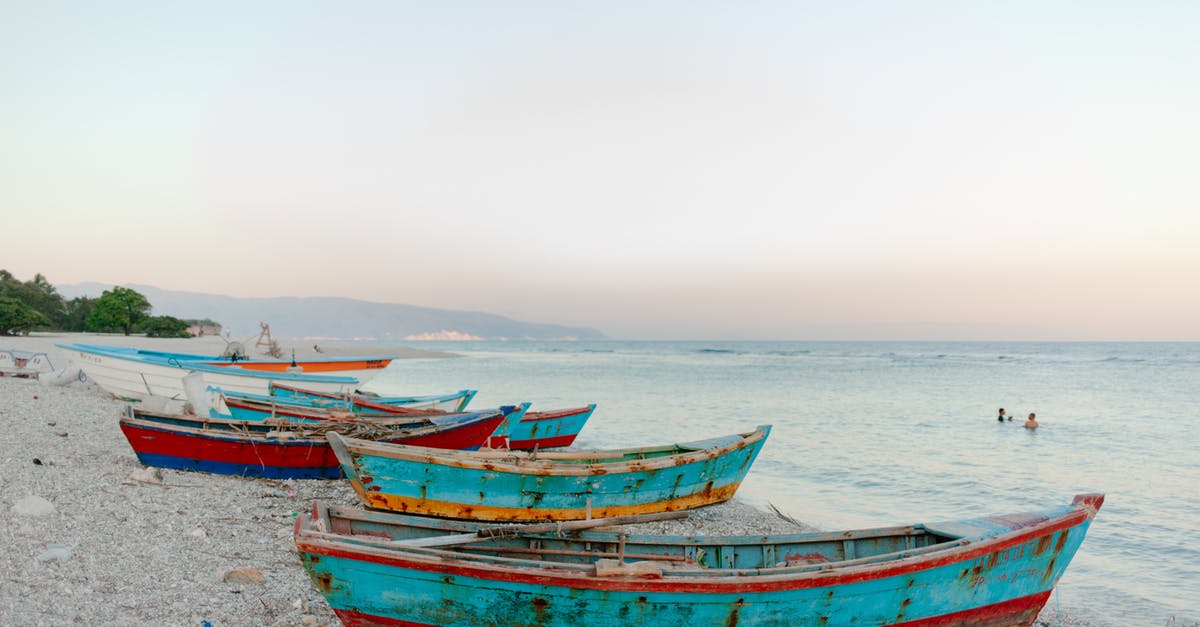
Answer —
(116, 550)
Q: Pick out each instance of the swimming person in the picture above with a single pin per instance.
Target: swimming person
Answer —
(1031, 422)
(1000, 418)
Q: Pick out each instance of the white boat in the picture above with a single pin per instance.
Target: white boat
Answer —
(363, 368)
(129, 376)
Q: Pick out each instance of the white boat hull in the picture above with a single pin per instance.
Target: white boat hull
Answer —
(136, 380)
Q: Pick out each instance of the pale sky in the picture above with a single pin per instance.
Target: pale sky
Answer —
(689, 170)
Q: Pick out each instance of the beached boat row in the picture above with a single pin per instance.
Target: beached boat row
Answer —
(468, 519)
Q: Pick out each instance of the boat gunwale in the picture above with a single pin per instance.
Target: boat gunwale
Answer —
(557, 414)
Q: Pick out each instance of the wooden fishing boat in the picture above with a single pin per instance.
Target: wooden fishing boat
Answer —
(129, 376)
(387, 569)
(536, 430)
(521, 430)
(532, 430)
(554, 485)
(366, 401)
(362, 368)
(259, 407)
(359, 403)
(284, 449)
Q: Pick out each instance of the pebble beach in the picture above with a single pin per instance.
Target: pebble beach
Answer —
(94, 538)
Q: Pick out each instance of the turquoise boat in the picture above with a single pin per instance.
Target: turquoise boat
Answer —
(541, 429)
(368, 402)
(450, 402)
(500, 485)
(387, 569)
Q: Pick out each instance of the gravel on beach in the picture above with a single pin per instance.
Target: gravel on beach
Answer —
(92, 537)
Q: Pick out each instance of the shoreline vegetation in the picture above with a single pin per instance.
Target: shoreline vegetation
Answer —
(93, 537)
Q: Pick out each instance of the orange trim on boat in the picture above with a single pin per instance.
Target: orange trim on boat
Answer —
(426, 507)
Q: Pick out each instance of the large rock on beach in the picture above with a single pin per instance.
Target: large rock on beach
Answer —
(244, 576)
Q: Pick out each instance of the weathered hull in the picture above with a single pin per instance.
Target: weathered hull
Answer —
(452, 402)
(136, 379)
(1002, 577)
(241, 408)
(542, 429)
(227, 448)
(548, 486)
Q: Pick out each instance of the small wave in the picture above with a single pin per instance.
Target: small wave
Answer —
(718, 351)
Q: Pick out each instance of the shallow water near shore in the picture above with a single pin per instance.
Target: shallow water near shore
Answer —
(873, 433)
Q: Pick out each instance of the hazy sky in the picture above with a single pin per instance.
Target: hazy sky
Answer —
(790, 170)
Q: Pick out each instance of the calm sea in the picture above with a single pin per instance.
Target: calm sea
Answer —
(869, 434)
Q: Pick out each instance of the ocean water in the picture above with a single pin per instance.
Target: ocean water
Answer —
(872, 433)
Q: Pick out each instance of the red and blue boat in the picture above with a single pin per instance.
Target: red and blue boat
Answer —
(386, 569)
(282, 449)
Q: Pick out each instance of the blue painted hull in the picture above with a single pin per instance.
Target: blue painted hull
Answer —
(1000, 574)
(542, 429)
(548, 486)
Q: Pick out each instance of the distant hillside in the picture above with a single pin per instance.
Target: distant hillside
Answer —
(341, 318)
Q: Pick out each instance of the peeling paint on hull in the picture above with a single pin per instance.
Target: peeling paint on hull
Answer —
(996, 576)
(575, 485)
(200, 447)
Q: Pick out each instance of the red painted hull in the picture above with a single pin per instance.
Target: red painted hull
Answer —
(259, 454)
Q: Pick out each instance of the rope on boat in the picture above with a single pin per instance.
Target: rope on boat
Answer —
(362, 430)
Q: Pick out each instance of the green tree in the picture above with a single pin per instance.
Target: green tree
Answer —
(76, 313)
(118, 309)
(163, 326)
(17, 317)
(38, 294)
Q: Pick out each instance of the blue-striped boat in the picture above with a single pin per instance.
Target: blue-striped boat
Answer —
(387, 569)
(520, 430)
(249, 408)
(501, 485)
(367, 402)
(528, 431)
(361, 405)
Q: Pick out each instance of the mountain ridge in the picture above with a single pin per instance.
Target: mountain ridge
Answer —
(330, 317)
